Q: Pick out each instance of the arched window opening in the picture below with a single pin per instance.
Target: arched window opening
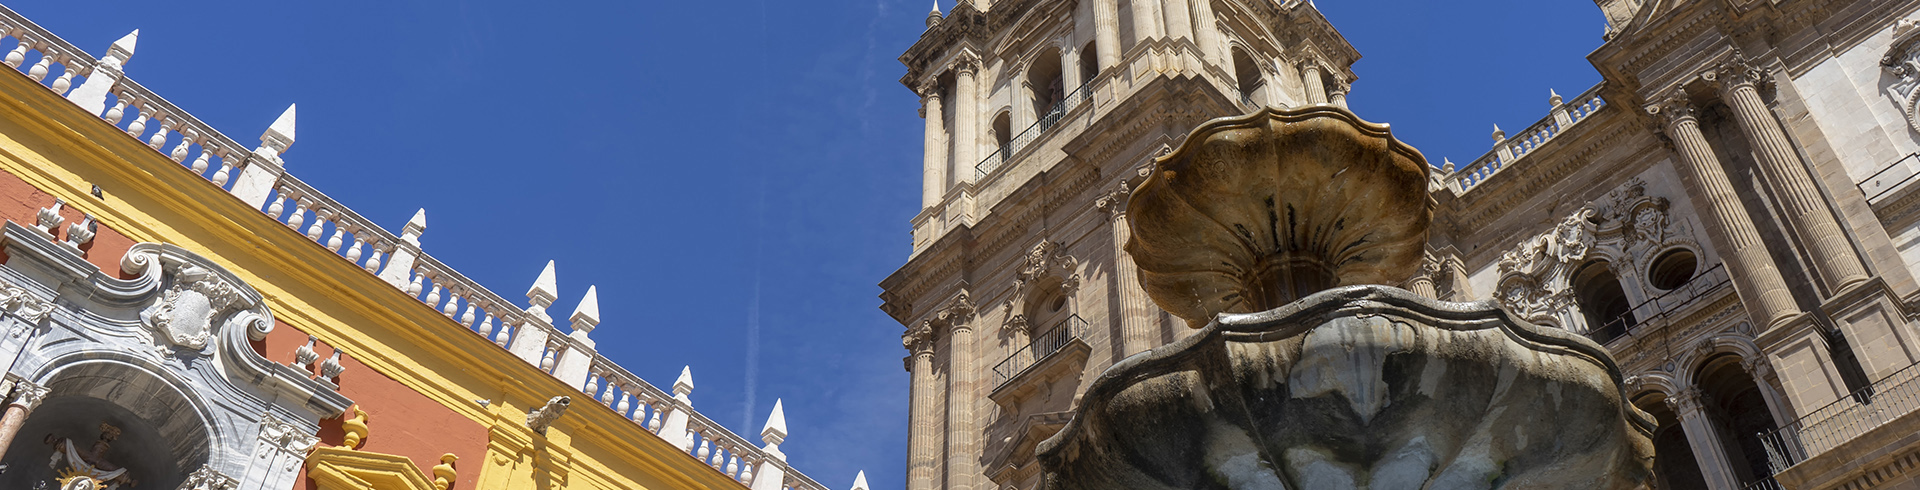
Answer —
(1246, 74)
(1048, 88)
(1002, 134)
(1674, 465)
(1602, 301)
(1738, 410)
(1089, 63)
(1672, 269)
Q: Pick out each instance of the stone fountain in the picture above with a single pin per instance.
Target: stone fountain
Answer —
(1271, 234)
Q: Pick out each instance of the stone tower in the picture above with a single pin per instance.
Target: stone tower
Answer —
(1040, 116)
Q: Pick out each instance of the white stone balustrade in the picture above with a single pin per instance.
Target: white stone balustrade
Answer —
(1507, 150)
(258, 178)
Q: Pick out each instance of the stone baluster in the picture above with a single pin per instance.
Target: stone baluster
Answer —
(159, 137)
(486, 326)
(201, 162)
(179, 153)
(607, 397)
(452, 306)
(320, 218)
(221, 176)
(39, 70)
(414, 285)
(299, 214)
(375, 248)
(65, 81)
(19, 53)
(625, 399)
(337, 239)
(654, 418)
(433, 298)
(505, 337)
(593, 385)
(358, 248)
(467, 317)
(117, 112)
(138, 127)
(733, 462)
(547, 360)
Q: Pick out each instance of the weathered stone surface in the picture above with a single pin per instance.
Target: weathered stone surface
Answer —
(1359, 387)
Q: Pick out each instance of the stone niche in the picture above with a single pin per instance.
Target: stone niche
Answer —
(1267, 232)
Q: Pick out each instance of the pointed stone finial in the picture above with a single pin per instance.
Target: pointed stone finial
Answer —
(542, 294)
(415, 227)
(1553, 98)
(279, 135)
(1448, 167)
(933, 18)
(121, 49)
(587, 314)
(860, 481)
(1498, 135)
(776, 429)
(684, 385)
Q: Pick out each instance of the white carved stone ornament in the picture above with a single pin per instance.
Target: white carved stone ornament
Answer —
(1536, 276)
(1903, 61)
(279, 435)
(185, 314)
(540, 418)
(206, 478)
(16, 300)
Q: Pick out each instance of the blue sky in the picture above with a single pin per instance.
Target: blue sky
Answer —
(734, 176)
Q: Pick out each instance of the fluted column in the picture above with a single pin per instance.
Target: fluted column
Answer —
(26, 396)
(1205, 33)
(1179, 19)
(1315, 87)
(933, 170)
(966, 126)
(1761, 285)
(1802, 203)
(963, 386)
(1106, 32)
(925, 433)
(1139, 326)
(1422, 281)
(1145, 24)
(1337, 95)
(1701, 437)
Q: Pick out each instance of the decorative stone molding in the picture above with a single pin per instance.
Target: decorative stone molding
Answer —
(1903, 61)
(206, 478)
(1047, 266)
(1628, 228)
(539, 419)
(16, 300)
(26, 394)
(1536, 275)
(1633, 227)
(199, 299)
(290, 440)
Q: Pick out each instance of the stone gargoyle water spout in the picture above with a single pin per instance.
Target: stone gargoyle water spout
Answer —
(1270, 233)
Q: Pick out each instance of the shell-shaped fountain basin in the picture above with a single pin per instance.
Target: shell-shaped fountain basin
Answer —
(1358, 387)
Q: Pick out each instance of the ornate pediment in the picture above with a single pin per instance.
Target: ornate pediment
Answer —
(199, 298)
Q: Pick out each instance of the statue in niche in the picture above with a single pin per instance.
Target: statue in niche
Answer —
(88, 469)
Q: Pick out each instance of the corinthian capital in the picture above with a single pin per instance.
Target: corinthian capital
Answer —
(965, 64)
(1687, 402)
(958, 313)
(27, 395)
(1675, 108)
(919, 339)
(1733, 75)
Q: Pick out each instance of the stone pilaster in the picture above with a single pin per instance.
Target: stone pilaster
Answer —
(925, 432)
(934, 168)
(963, 387)
(966, 126)
(1833, 254)
(1761, 287)
(1106, 32)
(1708, 452)
(1139, 318)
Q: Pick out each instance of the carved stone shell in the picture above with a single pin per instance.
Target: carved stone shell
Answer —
(1254, 211)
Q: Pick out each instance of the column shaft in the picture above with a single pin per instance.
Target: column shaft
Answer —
(966, 140)
(934, 170)
(1763, 289)
(1205, 33)
(10, 425)
(1106, 32)
(962, 384)
(1705, 442)
(1139, 327)
(1146, 25)
(925, 433)
(1179, 19)
(1833, 254)
(24, 398)
(1315, 87)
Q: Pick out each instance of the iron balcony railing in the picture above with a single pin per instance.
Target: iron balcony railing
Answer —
(1852, 415)
(1658, 307)
(1047, 121)
(1893, 177)
(1043, 345)
(1767, 483)
(1246, 95)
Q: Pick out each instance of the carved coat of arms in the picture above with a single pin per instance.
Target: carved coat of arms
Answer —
(186, 312)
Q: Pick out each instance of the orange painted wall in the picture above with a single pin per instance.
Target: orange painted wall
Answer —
(21, 202)
(399, 421)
